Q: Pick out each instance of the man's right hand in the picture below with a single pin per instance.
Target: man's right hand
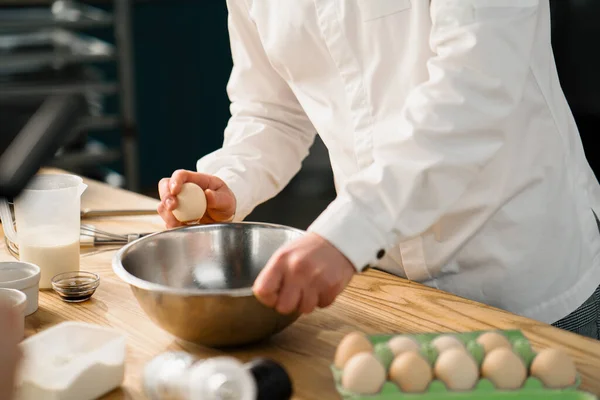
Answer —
(220, 200)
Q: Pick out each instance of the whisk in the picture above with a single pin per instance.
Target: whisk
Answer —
(90, 236)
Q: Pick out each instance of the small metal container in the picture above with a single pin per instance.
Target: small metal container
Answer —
(76, 286)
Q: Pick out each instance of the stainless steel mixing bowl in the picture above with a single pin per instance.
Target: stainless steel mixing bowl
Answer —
(196, 282)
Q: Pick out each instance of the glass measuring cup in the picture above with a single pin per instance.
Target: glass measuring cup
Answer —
(47, 215)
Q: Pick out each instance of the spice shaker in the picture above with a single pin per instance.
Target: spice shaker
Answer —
(180, 376)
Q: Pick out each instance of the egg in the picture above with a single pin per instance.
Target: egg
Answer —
(411, 372)
(445, 342)
(352, 344)
(363, 374)
(504, 369)
(492, 340)
(554, 368)
(457, 369)
(191, 203)
(400, 344)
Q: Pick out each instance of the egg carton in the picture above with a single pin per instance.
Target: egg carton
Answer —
(532, 389)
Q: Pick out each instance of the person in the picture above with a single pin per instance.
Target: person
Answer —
(456, 158)
(10, 354)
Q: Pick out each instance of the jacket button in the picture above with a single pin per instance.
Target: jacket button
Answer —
(380, 254)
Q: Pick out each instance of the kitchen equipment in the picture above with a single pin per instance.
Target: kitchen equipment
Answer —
(75, 287)
(91, 213)
(45, 45)
(179, 375)
(16, 300)
(24, 277)
(48, 223)
(63, 13)
(31, 133)
(71, 360)
(31, 51)
(196, 281)
(90, 235)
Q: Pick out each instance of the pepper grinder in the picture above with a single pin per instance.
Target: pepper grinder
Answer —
(180, 376)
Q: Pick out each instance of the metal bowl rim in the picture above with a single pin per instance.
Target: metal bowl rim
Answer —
(120, 271)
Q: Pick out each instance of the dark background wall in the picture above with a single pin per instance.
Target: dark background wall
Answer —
(182, 66)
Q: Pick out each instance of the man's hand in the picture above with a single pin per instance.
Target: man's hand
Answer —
(302, 275)
(10, 354)
(220, 200)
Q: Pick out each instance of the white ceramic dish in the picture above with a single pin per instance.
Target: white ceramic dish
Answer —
(71, 360)
(18, 301)
(24, 277)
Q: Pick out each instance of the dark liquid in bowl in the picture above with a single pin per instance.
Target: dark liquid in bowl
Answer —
(76, 290)
(75, 298)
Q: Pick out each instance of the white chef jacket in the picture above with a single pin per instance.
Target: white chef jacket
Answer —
(456, 158)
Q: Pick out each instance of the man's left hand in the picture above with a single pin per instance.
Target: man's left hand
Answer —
(302, 275)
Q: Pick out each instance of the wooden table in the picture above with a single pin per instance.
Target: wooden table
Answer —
(375, 302)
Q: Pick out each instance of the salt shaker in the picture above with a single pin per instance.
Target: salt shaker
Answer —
(180, 376)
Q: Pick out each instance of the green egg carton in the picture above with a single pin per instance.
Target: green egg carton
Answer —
(533, 389)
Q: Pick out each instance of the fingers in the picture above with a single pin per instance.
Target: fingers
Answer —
(289, 297)
(284, 287)
(325, 299)
(221, 202)
(304, 274)
(267, 285)
(169, 201)
(163, 188)
(167, 216)
(328, 292)
(178, 178)
(205, 181)
(287, 293)
(167, 204)
(220, 205)
(309, 301)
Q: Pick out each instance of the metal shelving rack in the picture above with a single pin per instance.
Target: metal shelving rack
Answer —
(60, 26)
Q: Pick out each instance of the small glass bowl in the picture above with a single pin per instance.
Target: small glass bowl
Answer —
(75, 287)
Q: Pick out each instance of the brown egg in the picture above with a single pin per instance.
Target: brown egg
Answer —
(493, 340)
(363, 374)
(411, 372)
(504, 369)
(445, 342)
(457, 369)
(191, 203)
(352, 344)
(554, 368)
(399, 344)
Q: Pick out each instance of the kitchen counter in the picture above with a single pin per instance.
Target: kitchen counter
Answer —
(375, 302)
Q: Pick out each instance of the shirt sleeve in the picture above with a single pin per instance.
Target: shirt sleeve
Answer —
(268, 135)
(452, 125)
